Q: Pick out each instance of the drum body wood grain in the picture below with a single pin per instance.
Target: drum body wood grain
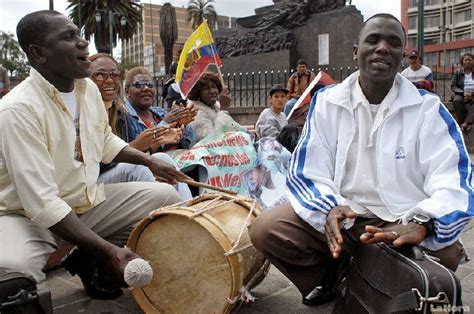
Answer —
(192, 274)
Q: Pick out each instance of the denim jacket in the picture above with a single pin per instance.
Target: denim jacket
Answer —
(130, 125)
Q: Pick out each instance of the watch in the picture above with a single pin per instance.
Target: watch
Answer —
(425, 221)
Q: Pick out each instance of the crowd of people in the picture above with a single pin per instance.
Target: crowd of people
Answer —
(378, 159)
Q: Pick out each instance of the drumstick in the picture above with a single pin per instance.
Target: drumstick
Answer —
(208, 186)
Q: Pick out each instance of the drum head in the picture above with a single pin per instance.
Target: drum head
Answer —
(191, 273)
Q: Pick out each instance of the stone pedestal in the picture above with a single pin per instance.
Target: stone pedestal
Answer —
(340, 27)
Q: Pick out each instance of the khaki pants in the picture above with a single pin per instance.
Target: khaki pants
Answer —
(26, 247)
(301, 253)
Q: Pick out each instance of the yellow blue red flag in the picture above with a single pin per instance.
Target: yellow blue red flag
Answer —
(198, 53)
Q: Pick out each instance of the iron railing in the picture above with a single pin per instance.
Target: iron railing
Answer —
(250, 89)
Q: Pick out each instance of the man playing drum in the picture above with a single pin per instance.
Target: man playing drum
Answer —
(54, 134)
(378, 160)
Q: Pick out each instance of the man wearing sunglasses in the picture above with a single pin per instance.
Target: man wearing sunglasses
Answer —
(49, 164)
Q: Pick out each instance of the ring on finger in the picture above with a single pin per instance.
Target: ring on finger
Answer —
(396, 235)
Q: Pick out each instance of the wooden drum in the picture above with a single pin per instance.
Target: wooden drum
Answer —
(201, 255)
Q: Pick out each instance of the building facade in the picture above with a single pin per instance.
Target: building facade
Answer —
(448, 30)
(145, 48)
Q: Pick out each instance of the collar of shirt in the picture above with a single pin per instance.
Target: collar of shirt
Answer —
(156, 111)
(358, 99)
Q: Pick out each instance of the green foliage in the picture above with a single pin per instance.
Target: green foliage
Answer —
(130, 11)
(198, 10)
(12, 57)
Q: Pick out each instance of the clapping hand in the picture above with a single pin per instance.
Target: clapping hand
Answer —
(152, 137)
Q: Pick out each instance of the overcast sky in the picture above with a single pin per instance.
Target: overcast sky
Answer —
(11, 11)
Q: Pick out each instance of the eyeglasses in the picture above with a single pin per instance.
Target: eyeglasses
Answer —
(102, 76)
(142, 84)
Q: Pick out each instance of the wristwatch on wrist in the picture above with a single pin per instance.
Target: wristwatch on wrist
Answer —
(425, 221)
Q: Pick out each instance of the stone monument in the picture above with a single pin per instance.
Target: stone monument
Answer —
(322, 32)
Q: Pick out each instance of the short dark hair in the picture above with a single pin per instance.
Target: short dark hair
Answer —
(204, 81)
(301, 62)
(386, 16)
(465, 55)
(33, 27)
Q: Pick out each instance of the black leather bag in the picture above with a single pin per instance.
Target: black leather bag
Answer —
(19, 294)
(385, 279)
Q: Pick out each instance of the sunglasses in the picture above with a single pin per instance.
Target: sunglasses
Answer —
(102, 76)
(142, 84)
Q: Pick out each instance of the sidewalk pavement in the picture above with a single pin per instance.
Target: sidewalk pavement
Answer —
(275, 294)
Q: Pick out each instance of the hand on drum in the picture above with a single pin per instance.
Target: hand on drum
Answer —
(118, 258)
(333, 226)
(166, 172)
(397, 235)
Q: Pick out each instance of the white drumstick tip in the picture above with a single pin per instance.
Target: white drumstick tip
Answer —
(138, 273)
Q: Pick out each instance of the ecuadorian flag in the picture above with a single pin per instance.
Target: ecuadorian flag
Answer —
(198, 53)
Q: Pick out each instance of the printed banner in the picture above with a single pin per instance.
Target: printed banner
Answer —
(223, 155)
(266, 183)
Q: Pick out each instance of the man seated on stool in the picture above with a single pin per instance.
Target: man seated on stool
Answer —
(54, 134)
(378, 157)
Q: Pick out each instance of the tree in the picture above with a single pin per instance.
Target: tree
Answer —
(198, 10)
(121, 10)
(12, 57)
(168, 32)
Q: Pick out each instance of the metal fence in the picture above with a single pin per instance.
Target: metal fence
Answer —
(250, 89)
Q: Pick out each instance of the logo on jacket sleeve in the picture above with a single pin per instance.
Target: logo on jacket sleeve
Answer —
(400, 153)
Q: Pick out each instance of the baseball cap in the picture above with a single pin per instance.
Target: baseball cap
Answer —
(278, 88)
(413, 53)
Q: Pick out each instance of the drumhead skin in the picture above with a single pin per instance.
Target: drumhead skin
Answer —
(192, 274)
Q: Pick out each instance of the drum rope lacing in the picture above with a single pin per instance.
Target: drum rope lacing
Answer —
(244, 293)
(244, 226)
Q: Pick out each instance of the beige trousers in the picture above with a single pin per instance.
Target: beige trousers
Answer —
(26, 247)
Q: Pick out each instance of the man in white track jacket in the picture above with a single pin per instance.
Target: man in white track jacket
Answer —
(378, 160)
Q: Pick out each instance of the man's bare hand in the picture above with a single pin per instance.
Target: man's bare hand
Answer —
(118, 259)
(166, 172)
(397, 235)
(224, 99)
(333, 227)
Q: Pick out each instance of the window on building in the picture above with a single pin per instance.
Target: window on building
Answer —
(432, 21)
(411, 42)
(430, 59)
(462, 36)
(412, 22)
(431, 2)
(431, 41)
(462, 16)
(412, 3)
